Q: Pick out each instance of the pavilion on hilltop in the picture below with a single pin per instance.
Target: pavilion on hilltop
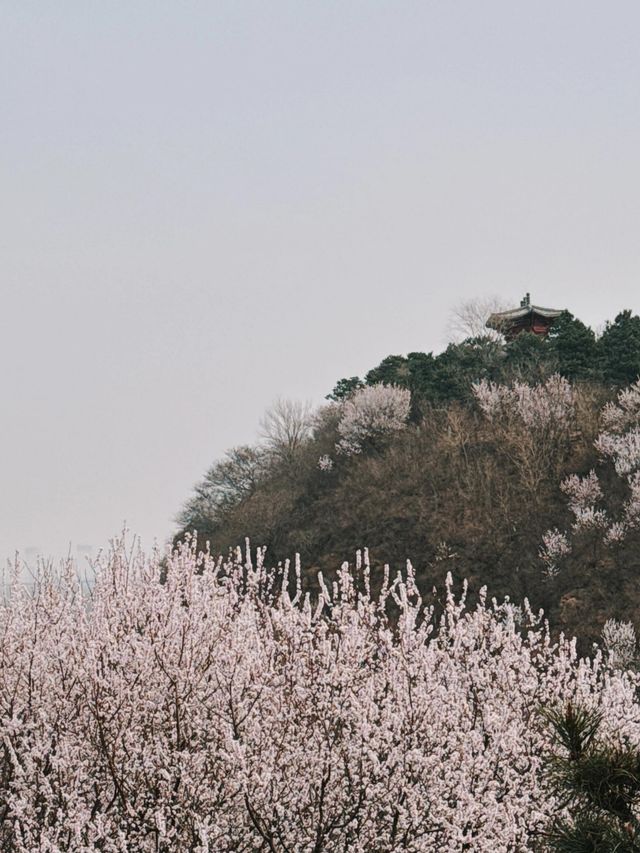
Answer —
(526, 318)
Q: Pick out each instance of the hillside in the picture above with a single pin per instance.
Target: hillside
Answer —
(458, 461)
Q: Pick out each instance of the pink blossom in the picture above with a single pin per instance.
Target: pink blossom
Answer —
(623, 450)
(582, 491)
(537, 407)
(619, 640)
(589, 518)
(325, 463)
(555, 546)
(625, 412)
(620, 443)
(197, 704)
(371, 413)
(615, 533)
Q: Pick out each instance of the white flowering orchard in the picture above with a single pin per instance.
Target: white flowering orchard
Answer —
(195, 705)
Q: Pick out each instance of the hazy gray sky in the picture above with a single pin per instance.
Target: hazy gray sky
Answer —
(207, 205)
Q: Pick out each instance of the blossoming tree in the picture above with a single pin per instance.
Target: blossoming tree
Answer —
(602, 516)
(372, 413)
(193, 704)
(532, 424)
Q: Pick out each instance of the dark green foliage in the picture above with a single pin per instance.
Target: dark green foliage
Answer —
(417, 372)
(392, 370)
(571, 349)
(460, 365)
(597, 781)
(443, 378)
(620, 347)
(527, 358)
(588, 834)
(574, 728)
(422, 381)
(574, 349)
(421, 371)
(344, 388)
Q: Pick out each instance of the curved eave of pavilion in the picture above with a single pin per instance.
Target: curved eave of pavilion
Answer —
(499, 320)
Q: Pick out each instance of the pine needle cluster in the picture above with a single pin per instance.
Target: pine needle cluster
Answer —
(597, 783)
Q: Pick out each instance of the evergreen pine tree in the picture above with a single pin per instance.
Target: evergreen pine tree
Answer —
(573, 348)
(460, 365)
(344, 388)
(598, 782)
(392, 370)
(620, 347)
(527, 359)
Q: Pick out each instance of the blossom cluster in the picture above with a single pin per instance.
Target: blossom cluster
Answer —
(620, 641)
(372, 413)
(537, 406)
(618, 442)
(555, 546)
(193, 704)
(623, 449)
(325, 463)
(584, 493)
(625, 412)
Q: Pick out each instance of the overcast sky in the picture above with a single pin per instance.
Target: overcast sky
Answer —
(208, 205)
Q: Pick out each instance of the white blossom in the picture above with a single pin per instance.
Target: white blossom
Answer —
(582, 491)
(325, 463)
(555, 546)
(538, 406)
(625, 412)
(619, 442)
(623, 450)
(199, 704)
(371, 413)
(589, 518)
(615, 533)
(619, 639)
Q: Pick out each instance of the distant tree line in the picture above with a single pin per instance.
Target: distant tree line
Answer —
(571, 349)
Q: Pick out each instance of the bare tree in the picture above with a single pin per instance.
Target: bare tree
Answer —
(286, 425)
(228, 482)
(469, 319)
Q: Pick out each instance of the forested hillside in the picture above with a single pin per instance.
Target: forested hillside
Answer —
(476, 461)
